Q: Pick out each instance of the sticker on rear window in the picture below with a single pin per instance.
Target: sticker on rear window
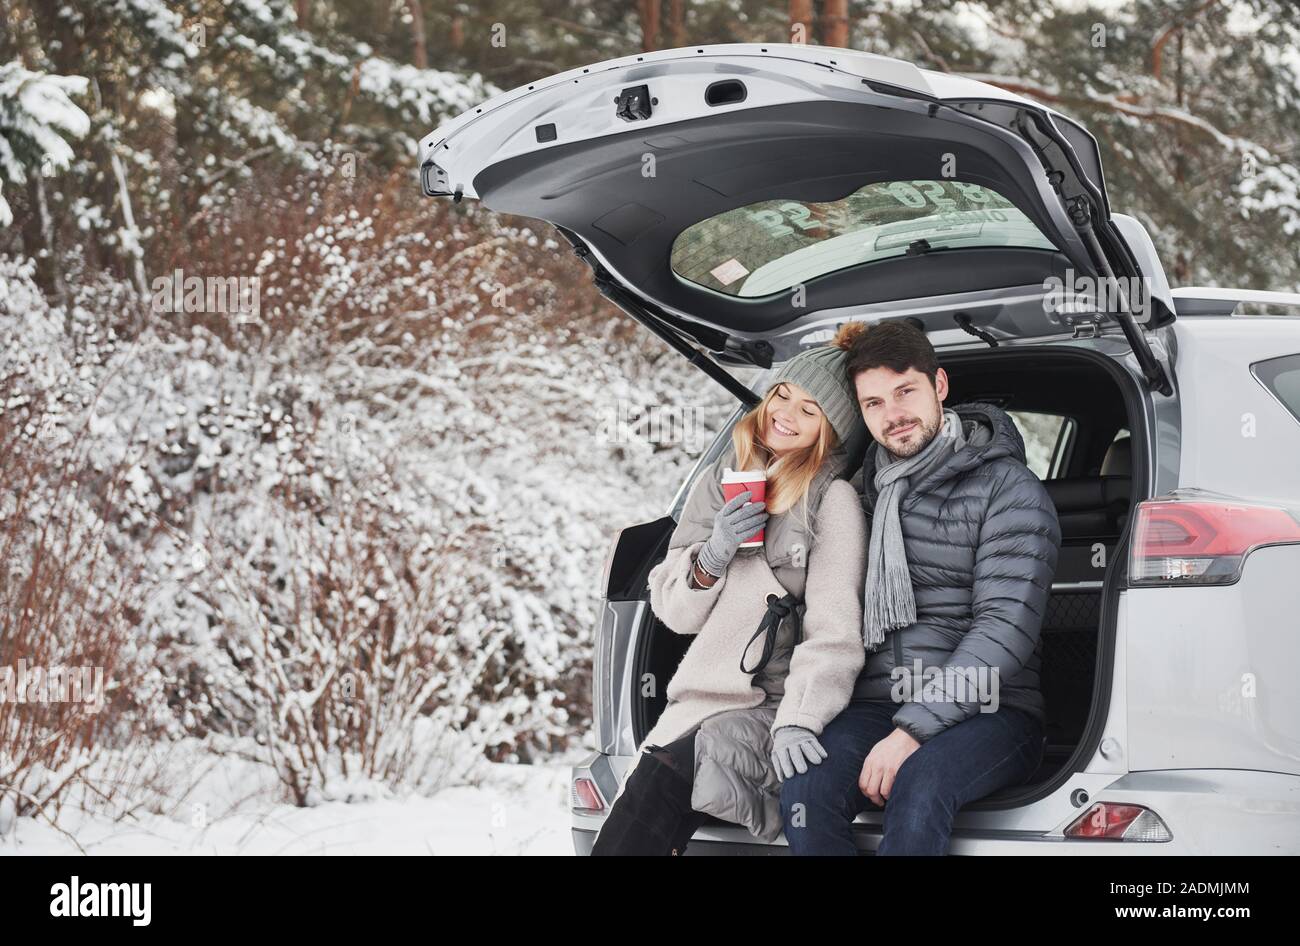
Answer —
(791, 243)
(729, 271)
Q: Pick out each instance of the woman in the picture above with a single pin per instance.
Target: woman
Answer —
(747, 702)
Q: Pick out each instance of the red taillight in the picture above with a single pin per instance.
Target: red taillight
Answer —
(1113, 822)
(1196, 541)
(585, 795)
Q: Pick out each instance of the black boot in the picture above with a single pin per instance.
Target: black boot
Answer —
(653, 816)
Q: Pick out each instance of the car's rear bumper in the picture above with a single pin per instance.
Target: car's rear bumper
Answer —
(1208, 812)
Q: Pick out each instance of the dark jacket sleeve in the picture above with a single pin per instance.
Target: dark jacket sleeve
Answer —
(1019, 541)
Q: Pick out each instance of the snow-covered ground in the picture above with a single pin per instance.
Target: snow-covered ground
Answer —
(504, 809)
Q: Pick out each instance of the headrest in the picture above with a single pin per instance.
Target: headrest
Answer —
(1119, 458)
(1087, 493)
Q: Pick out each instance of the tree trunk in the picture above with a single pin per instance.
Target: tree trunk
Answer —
(801, 21)
(649, 11)
(835, 23)
(39, 234)
(677, 22)
(420, 51)
(302, 10)
(1182, 265)
(131, 258)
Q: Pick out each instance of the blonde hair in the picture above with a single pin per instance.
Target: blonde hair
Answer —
(789, 477)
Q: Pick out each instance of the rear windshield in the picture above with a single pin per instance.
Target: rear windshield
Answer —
(1282, 377)
(774, 245)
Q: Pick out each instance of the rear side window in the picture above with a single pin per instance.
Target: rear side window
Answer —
(1282, 377)
(774, 245)
(1047, 438)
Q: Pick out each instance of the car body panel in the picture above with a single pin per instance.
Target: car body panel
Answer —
(1237, 438)
(1208, 812)
(1212, 671)
(813, 124)
(503, 124)
(1204, 300)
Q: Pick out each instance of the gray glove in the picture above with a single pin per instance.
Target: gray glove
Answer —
(793, 748)
(734, 523)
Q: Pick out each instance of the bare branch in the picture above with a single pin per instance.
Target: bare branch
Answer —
(1114, 103)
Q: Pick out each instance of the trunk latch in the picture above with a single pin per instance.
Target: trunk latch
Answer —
(633, 105)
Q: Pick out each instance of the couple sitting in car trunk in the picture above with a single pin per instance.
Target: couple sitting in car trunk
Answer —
(880, 647)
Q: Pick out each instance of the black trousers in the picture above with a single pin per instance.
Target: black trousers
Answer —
(653, 816)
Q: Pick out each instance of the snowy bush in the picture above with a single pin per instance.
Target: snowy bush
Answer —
(384, 500)
(72, 586)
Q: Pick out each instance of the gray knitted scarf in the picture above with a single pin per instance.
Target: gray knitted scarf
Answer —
(889, 602)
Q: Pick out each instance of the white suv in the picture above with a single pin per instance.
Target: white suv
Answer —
(742, 201)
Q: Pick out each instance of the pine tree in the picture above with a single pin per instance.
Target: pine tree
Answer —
(37, 115)
(188, 98)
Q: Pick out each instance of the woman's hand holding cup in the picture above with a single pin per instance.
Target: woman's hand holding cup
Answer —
(736, 521)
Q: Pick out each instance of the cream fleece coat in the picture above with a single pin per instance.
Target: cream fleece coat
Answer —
(733, 778)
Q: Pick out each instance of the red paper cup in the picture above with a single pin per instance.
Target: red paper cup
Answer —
(735, 482)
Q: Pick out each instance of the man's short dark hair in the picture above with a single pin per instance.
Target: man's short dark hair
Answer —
(895, 344)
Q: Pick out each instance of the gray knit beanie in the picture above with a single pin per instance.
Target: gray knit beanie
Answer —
(822, 372)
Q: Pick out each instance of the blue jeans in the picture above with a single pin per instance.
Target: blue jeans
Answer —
(963, 763)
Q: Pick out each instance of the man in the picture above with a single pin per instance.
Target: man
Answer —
(963, 545)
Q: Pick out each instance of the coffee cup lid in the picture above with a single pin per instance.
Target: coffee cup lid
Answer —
(743, 476)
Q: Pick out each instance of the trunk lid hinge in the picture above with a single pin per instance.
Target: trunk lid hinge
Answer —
(1152, 369)
(1082, 207)
(631, 304)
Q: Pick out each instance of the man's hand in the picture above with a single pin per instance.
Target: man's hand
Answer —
(882, 764)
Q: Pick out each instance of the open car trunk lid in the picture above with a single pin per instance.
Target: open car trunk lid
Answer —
(726, 195)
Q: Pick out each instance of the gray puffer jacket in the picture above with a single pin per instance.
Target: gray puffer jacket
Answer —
(982, 539)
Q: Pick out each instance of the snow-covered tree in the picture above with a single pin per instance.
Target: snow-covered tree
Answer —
(1195, 105)
(37, 116)
(191, 98)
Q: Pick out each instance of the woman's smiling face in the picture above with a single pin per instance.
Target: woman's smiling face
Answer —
(793, 419)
